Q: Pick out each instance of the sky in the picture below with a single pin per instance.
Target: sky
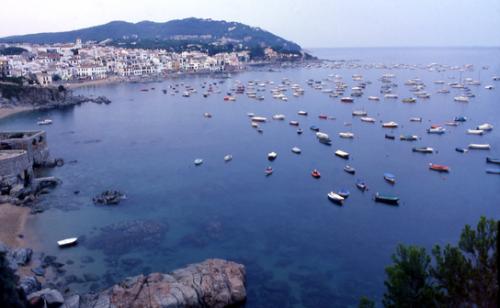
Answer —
(310, 23)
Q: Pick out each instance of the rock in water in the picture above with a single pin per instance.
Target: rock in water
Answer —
(212, 283)
(109, 197)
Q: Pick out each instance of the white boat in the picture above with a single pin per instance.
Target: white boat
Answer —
(475, 131)
(272, 155)
(228, 157)
(347, 135)
(44, 122)
(416, 119)
(390, 124)
(198, 161)
(489, 87)
(251, 114)
(279, 117)
(296, 150)
(322, 136)
(477, 146)
(186, 94)
(485, 127)
(255, 124)
(259, 119)
(335, 197)
(67, 242)
(436, 130)
(302, 113)
(461, 99)
(342, 154)
(373, 98)
(361, 113)
(368, 119)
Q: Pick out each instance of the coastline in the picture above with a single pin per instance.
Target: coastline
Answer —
(12, 224)
(9, 111)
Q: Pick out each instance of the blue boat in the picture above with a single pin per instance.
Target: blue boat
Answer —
(391, 137)
(461, 150)
(314, 128)
(361, 185)
(389, 177)
(460, 119)
(344, 193)
(491, 171)
(349, 169)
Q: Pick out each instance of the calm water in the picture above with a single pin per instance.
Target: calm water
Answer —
(299, 249)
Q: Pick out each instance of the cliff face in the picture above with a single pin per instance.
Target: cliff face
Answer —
(12, 94)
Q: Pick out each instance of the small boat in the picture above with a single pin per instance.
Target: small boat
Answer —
(367, 119)
(299, 131)
(44, 122)
(391, 137)
(493, 170)
(349, 169)
(314, 128)
(342, 154)
(332, 196)
(272, 156)
(323, 116)
(485, 127)
(207, 115)
(390, 124)
(315, 174)
(436, 130)
(475, 131)
(409, 100)
(294, 123)
(346, 135)
(386, 199)
(198, 161)
(67, 242)
(461, 99)
(268, 171)
(391, 96)
(439, 168)
(389, 177)
(460, 119)
(296, 150)
(451, 123)
(359, 113)
(228, 157)
(186, 94)
(260, 130)
(408, 137)
(302, 113)
(361, 185)
(416, 119)
(477, 146)
(373, 98)
(491, 160)
(280, 117)
(461, 150)
(255, 124)
(423, 150)
(347, 99)
(489, 87)
(344, 193)
(259, 119)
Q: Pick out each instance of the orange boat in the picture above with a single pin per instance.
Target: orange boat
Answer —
(439, 168)
(315, 174)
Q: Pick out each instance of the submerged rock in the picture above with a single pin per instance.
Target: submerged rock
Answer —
(109, 197)
(212, 283)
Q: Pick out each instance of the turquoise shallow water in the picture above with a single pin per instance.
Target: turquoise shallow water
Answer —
(300, 250)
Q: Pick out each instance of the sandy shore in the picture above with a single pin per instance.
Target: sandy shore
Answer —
(12, 222)
(8, 111)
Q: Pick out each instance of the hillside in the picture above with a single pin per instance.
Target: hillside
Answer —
(172, 34)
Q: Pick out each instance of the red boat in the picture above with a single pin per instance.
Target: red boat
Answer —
(315, 174)
(323, 116)
(435, 125)
(439, 168)
(269, 171)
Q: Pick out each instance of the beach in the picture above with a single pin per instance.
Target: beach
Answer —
(12, 223)
(8, 111)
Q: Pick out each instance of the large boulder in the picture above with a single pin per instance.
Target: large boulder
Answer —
(212, 283)
(48, 297)
(21, 256)
(29, 285)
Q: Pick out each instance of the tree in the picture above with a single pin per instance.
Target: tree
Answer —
(460, 276)
(409, 280)
(365, 302)
(9, 295)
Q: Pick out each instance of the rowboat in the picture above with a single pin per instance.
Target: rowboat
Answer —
(342, 154)
(491, 160)
(389, 177)
(315, 174)
(361, 185)
(386, 199)
(475, 131)
(439, 168)
(67, 242)
(346, 135)
(477, 146)
(493, 170)
(423, 150)
(296, 150)
(367, 119)
(334, 197)
(349, 169)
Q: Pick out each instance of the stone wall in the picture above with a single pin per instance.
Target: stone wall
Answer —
(16, 171)
(33, 142)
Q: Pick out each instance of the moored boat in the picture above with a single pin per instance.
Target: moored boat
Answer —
(342, 154)
(302, 113)
(492, 160)
(390, 124)
(258, 119)
(344, 193)
(416, 119)
(485, 127)
(349, 169)
(332, 196)
(439, 168)
(268, 171)
(478, 146)
(347, 99)
(272, 156)
(461, 150)
(367, 119)
(493, 170)
(67, 242)
(294, 123)
(228, 157)
(436, 130)
(299, 131)
(475, 131)
(346, 135)
(315, 174)
(361, 185)
(389, 177)
(198, 161)
(296, 150)
(359, 113)
(44, 122)
(408, 137)
(314, 128)
(423, 150)
(391, 137)
(393, 200)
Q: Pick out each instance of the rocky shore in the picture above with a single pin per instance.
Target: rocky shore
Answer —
(211, 283)
(18, 98)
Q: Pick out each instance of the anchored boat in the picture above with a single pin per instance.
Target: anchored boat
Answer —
(334, 197)
(439, 168)
(393, 200)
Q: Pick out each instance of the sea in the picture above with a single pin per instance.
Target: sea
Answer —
(299, 249)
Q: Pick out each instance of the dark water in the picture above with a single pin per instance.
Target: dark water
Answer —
(300, 250)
